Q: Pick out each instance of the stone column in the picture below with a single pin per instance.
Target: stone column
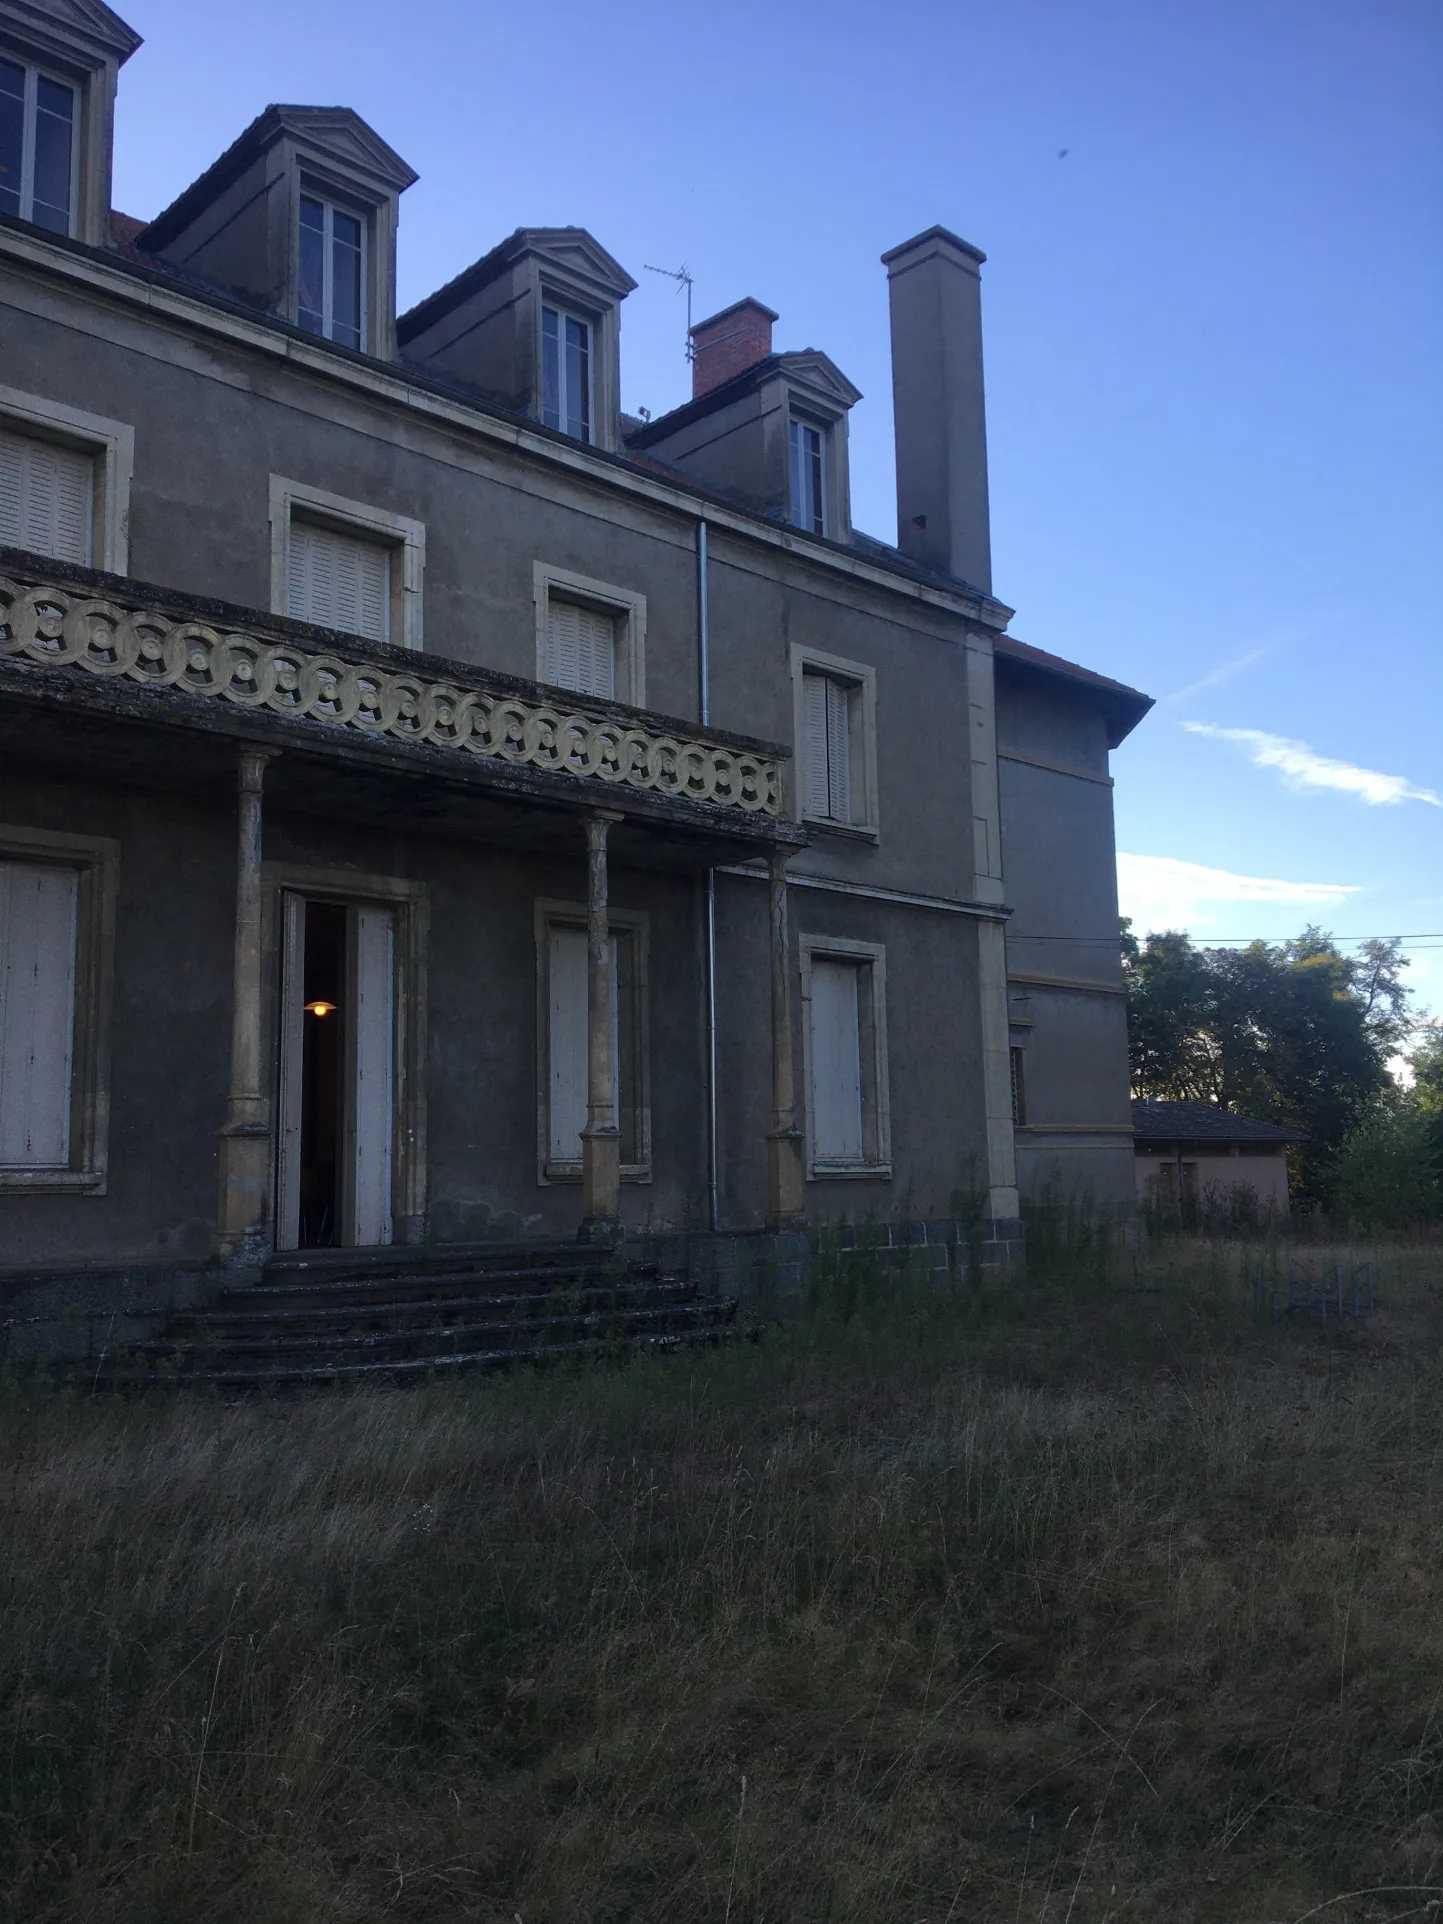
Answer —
(601, 1138)
(245, 1140)
(785, 1204)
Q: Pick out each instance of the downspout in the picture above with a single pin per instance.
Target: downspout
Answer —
(709, 967)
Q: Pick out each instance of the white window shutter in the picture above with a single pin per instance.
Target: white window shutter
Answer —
(839, 752)
(338, 582)
(37, 1013)
(45, 497)
(373, 1044)
(836, 1061)
(816, 788)
(581, 649)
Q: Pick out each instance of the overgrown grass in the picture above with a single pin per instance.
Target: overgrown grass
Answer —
(1077, 1599)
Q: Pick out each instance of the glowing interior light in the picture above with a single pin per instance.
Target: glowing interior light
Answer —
(320, 1008)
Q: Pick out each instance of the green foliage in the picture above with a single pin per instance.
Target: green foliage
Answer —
(1387, 1170)
(1292, 1032)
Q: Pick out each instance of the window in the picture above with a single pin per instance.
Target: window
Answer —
(331, 274)
(1018, 1059)
(590, 635)
(580, 648)
(809, 492)
(844, 1041)
(45, 497)
(56, 916)
(37, 147)
(339, 582)
(566, 373)
(562, 943)
(835, 724)
(344, 564)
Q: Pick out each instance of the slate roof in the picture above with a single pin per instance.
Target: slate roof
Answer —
(1204, 1122)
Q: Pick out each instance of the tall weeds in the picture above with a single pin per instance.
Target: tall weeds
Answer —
(1074, 1599)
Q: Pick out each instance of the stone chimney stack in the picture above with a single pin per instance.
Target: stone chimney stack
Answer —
(937, 398)
(729, 343)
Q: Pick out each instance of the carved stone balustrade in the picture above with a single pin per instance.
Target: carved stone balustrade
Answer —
(126, 633)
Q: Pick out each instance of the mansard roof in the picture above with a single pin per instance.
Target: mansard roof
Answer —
(85, 25)
(335, 133)
(571, 250)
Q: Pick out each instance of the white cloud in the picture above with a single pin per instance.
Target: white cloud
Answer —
(1163, 892)
(1302, 768)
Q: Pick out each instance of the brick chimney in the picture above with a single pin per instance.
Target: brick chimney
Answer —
(729, 343)
(938, 405)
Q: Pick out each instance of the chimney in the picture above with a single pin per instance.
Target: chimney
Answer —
(938, 407)
(729, 343)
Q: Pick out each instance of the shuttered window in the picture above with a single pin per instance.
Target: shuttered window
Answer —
(581, 648)
(827, 748)
(338, 581)
(37, 1013)
(567, 1012)
(45, 497)
(837, 1079)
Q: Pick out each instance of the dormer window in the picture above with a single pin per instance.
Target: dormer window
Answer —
(566, 372)
(39, 122)
(331, 278)
(808, 477)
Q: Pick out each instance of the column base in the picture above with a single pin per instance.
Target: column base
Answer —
(243, 1226)
(601, 1174)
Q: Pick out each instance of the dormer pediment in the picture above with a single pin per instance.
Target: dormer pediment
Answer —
(815, 378)
(572, 255)
(340, 135)
(83, 30)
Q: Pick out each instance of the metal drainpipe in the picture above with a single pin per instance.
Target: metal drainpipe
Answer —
(704, 705)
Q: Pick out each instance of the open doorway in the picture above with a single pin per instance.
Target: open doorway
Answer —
(337, 1081)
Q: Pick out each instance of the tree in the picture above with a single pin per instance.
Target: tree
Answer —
(1293, 1032)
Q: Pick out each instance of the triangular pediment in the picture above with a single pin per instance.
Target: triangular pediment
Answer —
(818, 375)
(341, 134)
(81, 26)
(574, 253)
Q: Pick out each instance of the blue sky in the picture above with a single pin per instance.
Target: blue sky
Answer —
(1214, 359)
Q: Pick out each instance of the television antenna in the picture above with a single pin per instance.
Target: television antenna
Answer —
(682, 275)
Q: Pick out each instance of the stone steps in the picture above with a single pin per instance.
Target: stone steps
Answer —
(355, 1315)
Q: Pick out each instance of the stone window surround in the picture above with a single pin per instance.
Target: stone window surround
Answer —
(97, 858)
(64, 49)
(552, 286)
(111, 444)
(626, 604)
(550, 913)
(410, 903)
(405, 537)
(864, 747)
(873, 956)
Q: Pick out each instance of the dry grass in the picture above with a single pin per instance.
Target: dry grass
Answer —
(1080, 1602)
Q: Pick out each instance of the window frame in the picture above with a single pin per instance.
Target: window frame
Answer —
(861, 680)
(332, 204)
(96, 859)
(553, 913)
(405, 537)
(625, 605)
(109, 444)
(870, 959)
(798, 423)
(35, 71)
(555, 304)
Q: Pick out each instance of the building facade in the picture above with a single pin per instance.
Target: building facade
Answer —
(436, 807)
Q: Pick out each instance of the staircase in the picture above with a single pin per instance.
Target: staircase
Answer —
(335, 1316)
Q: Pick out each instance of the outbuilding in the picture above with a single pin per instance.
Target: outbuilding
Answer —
(1190, 1152)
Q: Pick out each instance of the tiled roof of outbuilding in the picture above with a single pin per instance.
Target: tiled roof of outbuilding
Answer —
(1204, 1122)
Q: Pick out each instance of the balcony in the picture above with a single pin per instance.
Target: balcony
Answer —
(93, 657)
